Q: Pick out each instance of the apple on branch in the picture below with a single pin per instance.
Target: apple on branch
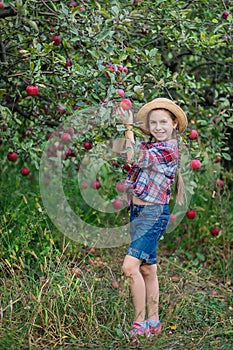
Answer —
(12, 157)
(32, 90)
(191, 214)
(25, 171)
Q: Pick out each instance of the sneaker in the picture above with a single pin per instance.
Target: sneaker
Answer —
(156, 329)
(139, 331)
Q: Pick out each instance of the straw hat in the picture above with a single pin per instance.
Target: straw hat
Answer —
(161, 103)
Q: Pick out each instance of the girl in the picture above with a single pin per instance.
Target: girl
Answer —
(154, 165)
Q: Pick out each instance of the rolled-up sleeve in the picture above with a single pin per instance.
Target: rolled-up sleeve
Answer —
(159, 154)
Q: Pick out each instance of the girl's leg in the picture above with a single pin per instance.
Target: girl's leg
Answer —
(131, 269)
(149, 273)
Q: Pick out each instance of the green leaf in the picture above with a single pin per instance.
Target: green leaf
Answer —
(226, 156)
(200, 256)
(33, 24)
(115, 10)
(2, 92)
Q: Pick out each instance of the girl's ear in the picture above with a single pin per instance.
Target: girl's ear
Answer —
(175, 124)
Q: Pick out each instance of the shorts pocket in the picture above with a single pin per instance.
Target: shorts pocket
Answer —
(163, 226)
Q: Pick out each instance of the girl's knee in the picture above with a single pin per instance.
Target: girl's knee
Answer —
(127, 269)
(130, 266)
(149, 270)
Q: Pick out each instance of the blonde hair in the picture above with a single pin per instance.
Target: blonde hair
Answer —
(179, 183)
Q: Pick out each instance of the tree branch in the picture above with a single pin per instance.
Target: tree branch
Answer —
(8, 12)
(15, 108)
(2, 50)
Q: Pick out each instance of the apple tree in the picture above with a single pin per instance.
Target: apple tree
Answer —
(62, 61)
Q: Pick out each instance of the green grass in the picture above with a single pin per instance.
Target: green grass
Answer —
(52, 307)
(45, 305)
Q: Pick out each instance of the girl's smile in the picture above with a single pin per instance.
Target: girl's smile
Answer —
(161, 124)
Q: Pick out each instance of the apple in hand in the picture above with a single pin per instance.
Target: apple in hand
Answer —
(12, 157)
(191, 214)
(126, 104)
(32, 90)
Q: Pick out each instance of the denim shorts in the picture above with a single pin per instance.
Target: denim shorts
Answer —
(148, 223)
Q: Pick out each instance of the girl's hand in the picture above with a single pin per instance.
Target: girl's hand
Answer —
(126, 116)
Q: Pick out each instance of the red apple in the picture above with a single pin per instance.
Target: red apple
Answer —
(214, 231)
(126, 104)
(65, 137)
(195, 164)
(117, 204)
(32, 90)
(87, 145)
(70, 131)
(115, 163)
(121, 187)
(1, 5)
(193, 134)
(191, 214)
(25, 171)
(95, 184)
(120, 68)
(68, 62)
(70, 153)
(60, 147)
(84, 185)
(127, 166)
(49, 135)
(120, 92)
(111, 67)
(61, 109)
(218, 159)
(77, 271)
(213, 293)
(225, 14)
(219, 183)
(76, 107)
(12, 157)
(172, 217)
(56, 39)
(125, 69)
(72, 4)
(115, 285)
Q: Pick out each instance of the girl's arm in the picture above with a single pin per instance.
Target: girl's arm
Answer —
(129, 134)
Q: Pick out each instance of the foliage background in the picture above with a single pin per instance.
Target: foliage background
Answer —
(175, 49)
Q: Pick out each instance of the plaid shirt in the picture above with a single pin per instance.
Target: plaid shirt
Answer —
(151, 176)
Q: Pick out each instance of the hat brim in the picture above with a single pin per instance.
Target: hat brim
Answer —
(164, 103)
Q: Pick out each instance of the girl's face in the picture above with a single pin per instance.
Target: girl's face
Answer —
(161, 125)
